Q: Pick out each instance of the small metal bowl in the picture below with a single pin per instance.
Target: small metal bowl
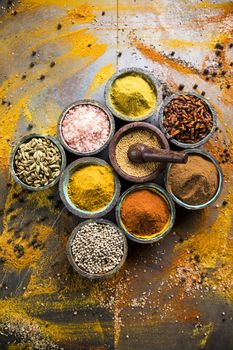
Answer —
(220, 185)
(159, 190)
(26, 139)
(64, 180)
(123, 131)
(88, 274)
(183, 144)
(85, 102)
(148, 77)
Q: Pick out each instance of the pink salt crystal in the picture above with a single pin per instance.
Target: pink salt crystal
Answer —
(85, 128)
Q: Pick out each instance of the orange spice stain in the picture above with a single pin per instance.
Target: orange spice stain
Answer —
(162, 59)
(181, 44)
(81, 14)
(226, 6)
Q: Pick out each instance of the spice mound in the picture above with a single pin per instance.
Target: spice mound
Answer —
(133, 96)
(195, 182)
(187, 119)
(97, 248)
(85, 128)
(145, 213)
(91, 187)
(126, 165)
(37, 162)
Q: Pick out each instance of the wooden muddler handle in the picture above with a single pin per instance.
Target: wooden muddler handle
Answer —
(140, 153)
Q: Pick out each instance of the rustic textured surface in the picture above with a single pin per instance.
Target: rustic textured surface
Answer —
(173, 295)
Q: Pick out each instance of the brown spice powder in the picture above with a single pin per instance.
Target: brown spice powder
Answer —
(195, 182)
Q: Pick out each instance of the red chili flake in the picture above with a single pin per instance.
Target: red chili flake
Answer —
(187, 119)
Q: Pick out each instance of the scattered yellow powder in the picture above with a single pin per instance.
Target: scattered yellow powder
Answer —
(100, 78)
(92, 187)
(131, 95)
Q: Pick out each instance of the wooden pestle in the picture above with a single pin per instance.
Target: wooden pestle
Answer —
(140, 153)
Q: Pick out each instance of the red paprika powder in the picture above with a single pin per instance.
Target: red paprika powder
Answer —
(144, 213)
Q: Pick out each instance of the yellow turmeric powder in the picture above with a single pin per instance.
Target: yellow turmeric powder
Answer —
(91, 187)
(133, 96)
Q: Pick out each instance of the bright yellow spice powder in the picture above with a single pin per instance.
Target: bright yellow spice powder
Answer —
(132, 96)
(91, 187)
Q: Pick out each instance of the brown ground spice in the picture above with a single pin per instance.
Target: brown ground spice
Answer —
(144, 213)
(195, 182)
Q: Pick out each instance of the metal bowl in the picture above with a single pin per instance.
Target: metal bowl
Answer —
(87, 274)
(148, 77)
(64, 180)
(85, 102)
(26, 139)
(182, 144)
(220, 185)
(123, 131)
(159, 190)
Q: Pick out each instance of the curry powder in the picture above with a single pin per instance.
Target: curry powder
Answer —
(91, 187)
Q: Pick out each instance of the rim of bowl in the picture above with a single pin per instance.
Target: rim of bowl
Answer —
(65, 176)
(148, 76)
(25, 139)
(220, 184)
(123, 131)
(166, 196)
(182, 144)
(88, 274)
(85, 102)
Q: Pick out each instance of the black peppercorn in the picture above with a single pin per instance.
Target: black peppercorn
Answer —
(181, 86)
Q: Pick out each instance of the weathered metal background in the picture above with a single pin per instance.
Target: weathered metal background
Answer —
(172, 295)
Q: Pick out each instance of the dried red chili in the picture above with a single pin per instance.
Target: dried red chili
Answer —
(187, 119)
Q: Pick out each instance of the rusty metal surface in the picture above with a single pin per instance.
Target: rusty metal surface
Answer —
(171, 295)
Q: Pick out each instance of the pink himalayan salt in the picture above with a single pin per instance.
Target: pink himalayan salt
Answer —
(85, 128)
